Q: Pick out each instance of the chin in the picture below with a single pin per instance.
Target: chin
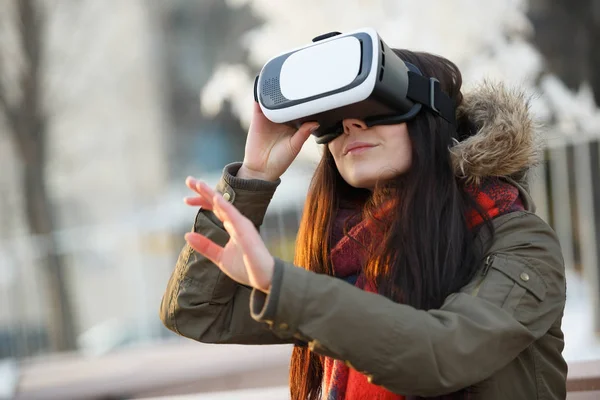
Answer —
(362, 183)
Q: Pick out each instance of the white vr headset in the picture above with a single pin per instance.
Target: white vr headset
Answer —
(352, 75)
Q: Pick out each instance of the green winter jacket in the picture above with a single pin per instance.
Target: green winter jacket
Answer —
(501, 334)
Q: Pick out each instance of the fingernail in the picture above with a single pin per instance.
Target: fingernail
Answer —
(314, 128)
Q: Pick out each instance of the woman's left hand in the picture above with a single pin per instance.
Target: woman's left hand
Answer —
(245, 258)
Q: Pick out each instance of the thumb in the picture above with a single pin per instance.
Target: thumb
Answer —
(298, 139)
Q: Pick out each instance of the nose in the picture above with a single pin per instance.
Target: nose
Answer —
(353, 123)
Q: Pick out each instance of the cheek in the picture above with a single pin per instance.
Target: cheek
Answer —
(336, 151)
(407, 152)
(335, 146)
(399, 154)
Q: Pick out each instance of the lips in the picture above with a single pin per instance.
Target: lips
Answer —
(357, 145)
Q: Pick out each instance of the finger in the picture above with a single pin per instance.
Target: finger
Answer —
(243, 233)
(301, 135)
(209, 194)
(191, 182)
(205, 246)
(199, 186)
(228, 212)
(257, 109)
(198, 202)
(204, 190)
(240, 229)
(205, 200)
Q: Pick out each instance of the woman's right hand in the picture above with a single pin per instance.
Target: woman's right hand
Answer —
(271, 147)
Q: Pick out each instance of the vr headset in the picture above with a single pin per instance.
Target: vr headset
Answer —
(339, 76)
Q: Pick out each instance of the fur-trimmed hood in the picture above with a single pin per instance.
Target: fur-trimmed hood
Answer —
(507, 142)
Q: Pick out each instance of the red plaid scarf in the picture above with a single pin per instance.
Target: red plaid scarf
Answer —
(494, 196)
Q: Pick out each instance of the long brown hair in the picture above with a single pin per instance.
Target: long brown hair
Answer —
(427, 250)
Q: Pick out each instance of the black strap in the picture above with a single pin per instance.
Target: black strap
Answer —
(326, 36)
(428, 92)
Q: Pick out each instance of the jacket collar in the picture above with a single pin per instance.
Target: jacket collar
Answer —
(526, 198)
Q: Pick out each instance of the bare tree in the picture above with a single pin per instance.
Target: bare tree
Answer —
(27, 124)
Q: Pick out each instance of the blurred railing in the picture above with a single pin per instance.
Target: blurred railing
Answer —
(118, 273)
(170, 368)
(209, 372)
(566, 190)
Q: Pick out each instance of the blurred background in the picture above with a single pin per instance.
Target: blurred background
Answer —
(107, 105)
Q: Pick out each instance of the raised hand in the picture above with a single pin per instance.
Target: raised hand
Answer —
(245, 258)
(271, 148)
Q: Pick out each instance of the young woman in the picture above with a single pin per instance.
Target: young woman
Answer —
(421, 269)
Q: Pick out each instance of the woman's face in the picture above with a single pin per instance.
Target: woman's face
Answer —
(364, 155)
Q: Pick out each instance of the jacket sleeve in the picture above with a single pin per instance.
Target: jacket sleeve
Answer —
(201, 302)
(512, 303)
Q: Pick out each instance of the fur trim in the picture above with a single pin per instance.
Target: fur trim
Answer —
(506, 143)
